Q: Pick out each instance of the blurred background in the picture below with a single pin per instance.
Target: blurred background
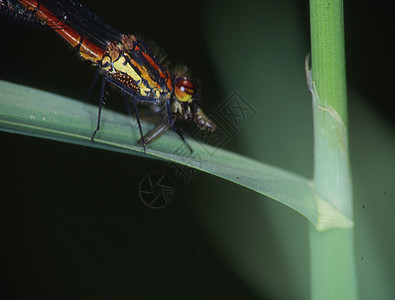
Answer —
(73, 225)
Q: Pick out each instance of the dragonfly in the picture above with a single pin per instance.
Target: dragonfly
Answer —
(125, 62)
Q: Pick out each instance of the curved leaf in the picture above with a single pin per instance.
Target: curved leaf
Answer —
(28, 111)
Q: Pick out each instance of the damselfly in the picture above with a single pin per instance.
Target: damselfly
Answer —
(124, 61)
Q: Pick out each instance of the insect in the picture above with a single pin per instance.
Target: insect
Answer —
(125, 62)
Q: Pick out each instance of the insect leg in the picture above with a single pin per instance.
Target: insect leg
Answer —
(169, 114)
(154, 134)
(181, 135)
(101, 104)
(136, 113)
(173, 126)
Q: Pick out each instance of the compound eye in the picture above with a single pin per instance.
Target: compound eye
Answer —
(184, 90)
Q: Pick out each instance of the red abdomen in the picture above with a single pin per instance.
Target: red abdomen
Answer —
(85, 48)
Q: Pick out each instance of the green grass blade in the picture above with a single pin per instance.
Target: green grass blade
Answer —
(32, 112)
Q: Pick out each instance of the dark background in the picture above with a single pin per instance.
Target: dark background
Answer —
(72, 221)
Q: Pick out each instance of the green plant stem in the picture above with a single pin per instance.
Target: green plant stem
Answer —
(332, 253)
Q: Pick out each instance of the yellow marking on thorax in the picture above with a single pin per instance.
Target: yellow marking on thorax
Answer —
(144, 74)
(121, 65)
